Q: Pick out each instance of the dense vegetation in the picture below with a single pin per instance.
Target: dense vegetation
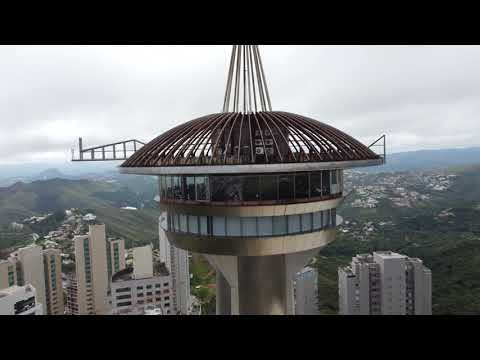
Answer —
(450, 246)
(104, 199)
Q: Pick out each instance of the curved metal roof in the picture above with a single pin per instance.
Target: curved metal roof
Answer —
(235, 138)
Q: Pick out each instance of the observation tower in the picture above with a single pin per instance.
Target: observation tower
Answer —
(253, 190)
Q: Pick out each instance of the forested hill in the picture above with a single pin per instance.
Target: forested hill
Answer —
(104, 199)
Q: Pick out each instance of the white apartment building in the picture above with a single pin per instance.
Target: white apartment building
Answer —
(385, 283)
(52, 265)
(30, 270)
(176, 261)
(144, 290)
(96, 258)
(41, 269)
(306, 292)
(19, 300)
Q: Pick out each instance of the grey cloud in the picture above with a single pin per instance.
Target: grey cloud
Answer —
(420, 96)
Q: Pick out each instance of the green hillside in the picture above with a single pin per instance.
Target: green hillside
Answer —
(102, 198)
(449, 246)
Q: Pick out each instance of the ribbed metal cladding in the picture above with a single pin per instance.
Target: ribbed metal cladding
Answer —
(253, 138)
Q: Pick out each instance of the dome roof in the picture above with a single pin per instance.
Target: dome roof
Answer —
(235, 138)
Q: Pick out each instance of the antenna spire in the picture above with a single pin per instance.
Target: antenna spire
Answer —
(246, 80)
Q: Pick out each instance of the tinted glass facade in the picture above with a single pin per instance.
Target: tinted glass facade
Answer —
(253, 188)
(219, 226)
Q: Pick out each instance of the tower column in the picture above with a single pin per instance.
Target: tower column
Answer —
(223, 295)
(257, 285)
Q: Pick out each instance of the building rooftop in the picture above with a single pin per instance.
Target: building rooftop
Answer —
(159, 269)
(16, 289)
(269, 137)
(389, 255)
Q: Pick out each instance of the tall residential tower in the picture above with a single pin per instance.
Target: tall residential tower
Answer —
(385, 283)
(96, 259)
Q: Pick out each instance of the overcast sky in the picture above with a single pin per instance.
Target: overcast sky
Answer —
(422, 97)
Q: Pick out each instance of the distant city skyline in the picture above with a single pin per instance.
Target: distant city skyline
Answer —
(422, 97)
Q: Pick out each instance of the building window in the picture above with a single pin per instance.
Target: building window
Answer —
(316, 184)
(120, 290)
(190, 188)
(293, 224)
(268, 187)
(183, 223)
(306, 222)
(251, 188)
(219, 228)
(325, 182)
(265, 226)
(279, 225)
(192, 224)
(249, 226)
(201, 183)
(286, 189)
(126, 303)
(234, 226)
(301, 186)
(202, 220)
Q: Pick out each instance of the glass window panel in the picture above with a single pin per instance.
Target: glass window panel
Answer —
(219, 188)
(176, 224)
(168, 181)
(334, 217)
(226, 188)
(219, 226)
(163, 220)
(285, 187)
(183, 223)
(334, 177)
(268, 187)
(203, 225)
(192, 224)
(279, 225)
(293, 224)
(177, 188)
(316, 184)
(234, 226)
(201, 183)
(306, 222)
(265, 226)
(325, 182)
(169, 221)
(163, 187)
(249, 226)
(301, 186)
(190, 188)
(340, 179)
(251, 188)
(326, 218)
(317, 220)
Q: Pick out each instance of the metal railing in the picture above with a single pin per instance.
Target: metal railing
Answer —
(110, 152)
(382, 142)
